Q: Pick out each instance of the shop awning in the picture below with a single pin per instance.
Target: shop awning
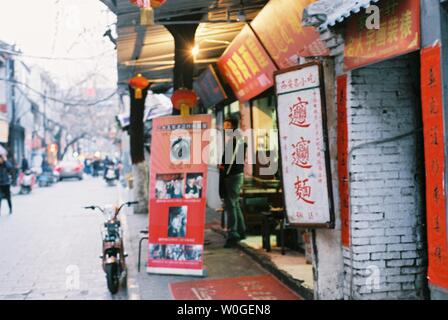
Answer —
(326, 13)
(150, 50)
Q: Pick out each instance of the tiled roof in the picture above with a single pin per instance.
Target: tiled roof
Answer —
(326, 13)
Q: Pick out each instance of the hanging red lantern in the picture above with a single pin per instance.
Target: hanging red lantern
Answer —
(184, 100)
(138, 83)
(142, 3)
(146, 9)
(157, 3)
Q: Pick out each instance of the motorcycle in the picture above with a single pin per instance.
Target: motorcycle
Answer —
(46, 179)
(110, 175)
(27, 180)
(113, 256)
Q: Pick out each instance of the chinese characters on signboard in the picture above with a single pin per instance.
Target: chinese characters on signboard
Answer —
(434, 137)
(177, 195)
(246, 66)
(398, 34)
(303, 147)
(343, 159)
(279, 27)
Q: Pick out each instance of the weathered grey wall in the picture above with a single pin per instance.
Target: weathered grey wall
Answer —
(388, 255)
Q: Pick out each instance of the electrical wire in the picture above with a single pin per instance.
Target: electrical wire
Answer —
(20, 55)
(66, 103)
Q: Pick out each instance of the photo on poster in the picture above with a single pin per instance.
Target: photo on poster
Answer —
(180, 149)
(175, 252)
(193, 252)
(169, 186)
(177, 222)
(157, 251)
(180, 252)
(193, 186)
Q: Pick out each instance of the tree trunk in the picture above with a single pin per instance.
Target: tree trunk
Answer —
(70, 144)
(140, 172)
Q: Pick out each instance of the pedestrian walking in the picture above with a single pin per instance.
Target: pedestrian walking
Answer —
(25, 165)
(5, 181)
(232, 174)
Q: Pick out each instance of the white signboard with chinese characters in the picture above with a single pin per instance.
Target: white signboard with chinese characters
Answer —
(302, 135)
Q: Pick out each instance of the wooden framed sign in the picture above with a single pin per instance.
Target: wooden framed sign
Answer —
(304, 146)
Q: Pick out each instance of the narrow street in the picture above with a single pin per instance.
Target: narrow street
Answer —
(51, 246)
(50, 240)
(225, 150)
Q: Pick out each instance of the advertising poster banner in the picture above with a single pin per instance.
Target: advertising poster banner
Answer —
(279, 27)
(247, 66)
(177, 194)
(306, 181)
(399, 33)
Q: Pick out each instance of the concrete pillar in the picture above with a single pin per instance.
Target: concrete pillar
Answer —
(184, 35)
(327, 252)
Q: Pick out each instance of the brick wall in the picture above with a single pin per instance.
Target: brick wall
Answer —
(387, 183)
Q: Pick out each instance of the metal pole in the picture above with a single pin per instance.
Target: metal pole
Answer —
(45, 118)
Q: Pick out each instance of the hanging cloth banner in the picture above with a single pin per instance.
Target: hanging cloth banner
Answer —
(177, 194)
(343, 170)
(434, 137)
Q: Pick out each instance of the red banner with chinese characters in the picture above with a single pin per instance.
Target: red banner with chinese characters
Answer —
(433, 129)
(246, 66)
(399, 33)
(177, 194)
(279, 27)
(343, 170)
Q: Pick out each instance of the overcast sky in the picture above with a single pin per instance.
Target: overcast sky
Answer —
(62, 29)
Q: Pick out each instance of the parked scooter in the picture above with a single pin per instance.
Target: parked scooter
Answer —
(46, 179)
(114, 264)
(110, 175)
(27, 180)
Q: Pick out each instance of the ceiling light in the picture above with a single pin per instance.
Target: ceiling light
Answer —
(195, 50)
(241, 16)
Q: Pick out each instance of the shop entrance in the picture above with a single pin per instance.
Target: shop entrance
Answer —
(387, 179)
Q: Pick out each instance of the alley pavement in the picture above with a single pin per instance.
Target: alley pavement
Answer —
(50, 245)
(50, 248)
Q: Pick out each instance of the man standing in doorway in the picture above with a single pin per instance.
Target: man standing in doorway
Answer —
(232, 173)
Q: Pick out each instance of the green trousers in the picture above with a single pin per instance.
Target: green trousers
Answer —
(235, 218)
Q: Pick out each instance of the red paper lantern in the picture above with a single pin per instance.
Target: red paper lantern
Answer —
(138, 83)
(154, 3)
(184, 100)
(157, 3)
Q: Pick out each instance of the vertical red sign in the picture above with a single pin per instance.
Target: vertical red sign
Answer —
(177, 194)
(433, 129)
(343, 170)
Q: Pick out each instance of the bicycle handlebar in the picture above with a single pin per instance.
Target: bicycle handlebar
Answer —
(93, 207)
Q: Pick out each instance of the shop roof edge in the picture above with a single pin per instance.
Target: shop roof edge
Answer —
(323, 14)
